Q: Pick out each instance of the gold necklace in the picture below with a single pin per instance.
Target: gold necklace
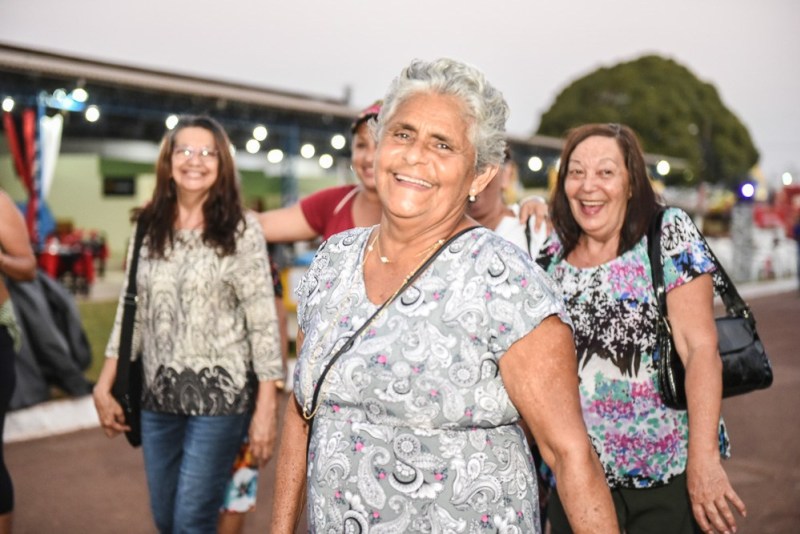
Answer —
(371, 245)
(383, 258)
(431, 251)
(386, 260)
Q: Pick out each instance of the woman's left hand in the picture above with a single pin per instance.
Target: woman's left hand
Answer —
(264, 425)
(711, 495)
(262, 438)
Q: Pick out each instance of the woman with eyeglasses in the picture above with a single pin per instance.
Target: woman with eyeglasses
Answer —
(205, 327)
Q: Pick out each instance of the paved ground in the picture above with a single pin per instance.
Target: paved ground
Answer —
(80, 482)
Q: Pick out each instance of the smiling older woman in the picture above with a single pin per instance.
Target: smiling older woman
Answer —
(663, 465)
(425, 338)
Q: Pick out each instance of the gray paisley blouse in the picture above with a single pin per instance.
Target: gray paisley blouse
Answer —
(415, 431)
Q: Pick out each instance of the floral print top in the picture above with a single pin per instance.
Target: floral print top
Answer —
(641, 442)
(415, 431)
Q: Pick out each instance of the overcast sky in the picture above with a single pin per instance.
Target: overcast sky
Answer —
(529, 49)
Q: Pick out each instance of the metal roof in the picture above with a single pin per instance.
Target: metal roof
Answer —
(135, 102)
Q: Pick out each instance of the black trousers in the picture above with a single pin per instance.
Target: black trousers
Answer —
(8, 380)
(662, 510)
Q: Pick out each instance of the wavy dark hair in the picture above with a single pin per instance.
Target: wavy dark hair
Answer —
(642, 204)
(222, 208)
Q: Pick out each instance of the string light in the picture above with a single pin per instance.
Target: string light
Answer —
(307, 151)
(252, 146)
(260, 133)
(338, 141)
(92, 114)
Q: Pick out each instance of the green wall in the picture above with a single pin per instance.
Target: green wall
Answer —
(76, 196)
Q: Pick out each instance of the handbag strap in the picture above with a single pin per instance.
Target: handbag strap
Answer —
(349, 344)
(734, 304)
(656, 268)
(129, 310)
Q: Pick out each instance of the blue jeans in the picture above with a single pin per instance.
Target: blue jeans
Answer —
(188, 461)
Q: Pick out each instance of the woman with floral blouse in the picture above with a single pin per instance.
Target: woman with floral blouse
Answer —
(662, 465)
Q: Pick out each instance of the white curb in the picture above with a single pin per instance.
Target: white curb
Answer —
(50, 418)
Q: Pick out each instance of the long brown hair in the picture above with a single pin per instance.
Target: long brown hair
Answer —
(641, 205)
(222, 209)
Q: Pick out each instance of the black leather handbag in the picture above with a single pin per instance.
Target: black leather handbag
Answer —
(128, 383)
(745, 365)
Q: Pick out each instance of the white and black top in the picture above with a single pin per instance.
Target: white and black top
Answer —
(206, 325)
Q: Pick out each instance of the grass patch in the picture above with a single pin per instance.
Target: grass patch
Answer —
(97, 319)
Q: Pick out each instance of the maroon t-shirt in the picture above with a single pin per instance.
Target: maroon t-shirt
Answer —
(330, 211)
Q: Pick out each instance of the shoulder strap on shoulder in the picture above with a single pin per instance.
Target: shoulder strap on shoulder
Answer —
(342, 203)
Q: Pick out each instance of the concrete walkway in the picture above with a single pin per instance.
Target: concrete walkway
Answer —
(79, 482)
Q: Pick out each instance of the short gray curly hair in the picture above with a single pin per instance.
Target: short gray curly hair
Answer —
(485, 104)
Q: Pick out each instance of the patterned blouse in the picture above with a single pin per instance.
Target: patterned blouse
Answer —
(415, 431)
(641, 442)
(206, 325)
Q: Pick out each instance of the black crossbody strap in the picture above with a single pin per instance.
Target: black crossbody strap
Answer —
(348, 345)
(656, 268)
(129, 310)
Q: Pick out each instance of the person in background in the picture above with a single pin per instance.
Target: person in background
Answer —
(796, 236)
(242, 488)
(206, 330)
(662, 465)
(490, 210)
(280, 309)
(321, 214)
(18, 263)
(414, 427)
(334, 209)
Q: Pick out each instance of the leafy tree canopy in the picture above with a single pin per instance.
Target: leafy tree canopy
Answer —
(673, 112)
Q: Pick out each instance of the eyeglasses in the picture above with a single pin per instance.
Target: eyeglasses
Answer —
(186, 153)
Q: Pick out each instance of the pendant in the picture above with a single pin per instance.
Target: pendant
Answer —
(384, 259)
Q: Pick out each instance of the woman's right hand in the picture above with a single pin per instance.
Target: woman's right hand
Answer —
(109, 411)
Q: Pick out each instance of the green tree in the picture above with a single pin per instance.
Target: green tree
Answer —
(674, 113)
